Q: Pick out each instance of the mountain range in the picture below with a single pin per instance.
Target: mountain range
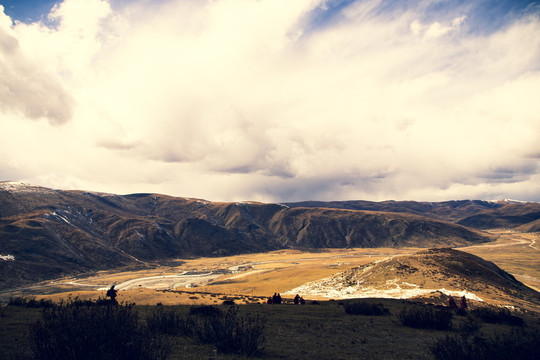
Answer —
(47, 233)
(519, 215)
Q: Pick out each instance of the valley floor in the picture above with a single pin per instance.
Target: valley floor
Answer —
(250, 278)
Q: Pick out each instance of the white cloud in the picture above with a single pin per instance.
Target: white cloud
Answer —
(239, 99)
(26, 88)
(436, 29)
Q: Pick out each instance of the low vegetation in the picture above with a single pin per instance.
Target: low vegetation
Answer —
(30, 303)
(365, 308)
(167, 321)
(521, 344)
(77, 329)
(226, 330)
(497, 316)
(425, 317)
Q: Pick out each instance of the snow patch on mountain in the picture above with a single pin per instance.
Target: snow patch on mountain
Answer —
(21, 187)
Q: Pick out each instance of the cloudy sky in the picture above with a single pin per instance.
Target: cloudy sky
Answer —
(273, 100)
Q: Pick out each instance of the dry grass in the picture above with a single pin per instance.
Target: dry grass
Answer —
(513, 253)
(272, 272)
(279, 271)
(323, 331)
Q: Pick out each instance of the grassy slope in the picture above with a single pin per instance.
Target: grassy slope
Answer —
(515, 252)
(322, 331)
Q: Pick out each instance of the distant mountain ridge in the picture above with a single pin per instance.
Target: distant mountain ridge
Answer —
(46, 233)
(477, 214)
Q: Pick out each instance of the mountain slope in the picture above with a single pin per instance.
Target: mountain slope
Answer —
(511, 215)
(432, 271)
(52, 233)
(471, 213)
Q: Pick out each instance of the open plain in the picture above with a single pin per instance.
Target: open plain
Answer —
(251, 278)
(320, 329)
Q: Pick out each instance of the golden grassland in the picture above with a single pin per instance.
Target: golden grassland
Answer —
(261, 275)
(515, 252)
(267, 273)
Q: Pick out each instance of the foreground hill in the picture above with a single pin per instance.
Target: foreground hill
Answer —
(45, 233)
(429, 273)
(525, 216)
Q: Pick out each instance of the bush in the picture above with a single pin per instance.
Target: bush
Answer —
(498, 316)
(17, 301)
(205, 310)
(79, 332)
(469, 326)
(426, 318)
(32, 303)
(98, 302)
(364, 308)
(227, 331)
(231, 333)
(168, 322)
(515, 345)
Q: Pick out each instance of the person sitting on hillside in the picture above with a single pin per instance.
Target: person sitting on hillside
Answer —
(111, 293)
(278, 299)
(296, 299)
(452, 303)
(302, 301)
(463, 303)
(270, 300)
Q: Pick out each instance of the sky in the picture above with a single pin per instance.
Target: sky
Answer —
(273, 100)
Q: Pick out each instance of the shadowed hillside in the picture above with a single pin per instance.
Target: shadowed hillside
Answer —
(525, 217)
(472, 213)
(49, 233)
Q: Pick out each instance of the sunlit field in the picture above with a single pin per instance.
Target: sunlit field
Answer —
(251, 278)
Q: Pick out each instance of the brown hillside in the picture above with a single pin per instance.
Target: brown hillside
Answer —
(432, 271)
(471, 213)
(52, 233)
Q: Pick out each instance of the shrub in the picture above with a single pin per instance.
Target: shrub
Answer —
(98, 302)
(364, 308)
(515, 345)
(498, 316)
(470, 326)
(168, 322)
(79, 332)
(17, 301)
(227, 331)
(32, 303)
(205, 310)
(426, 318)
(231, 333)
